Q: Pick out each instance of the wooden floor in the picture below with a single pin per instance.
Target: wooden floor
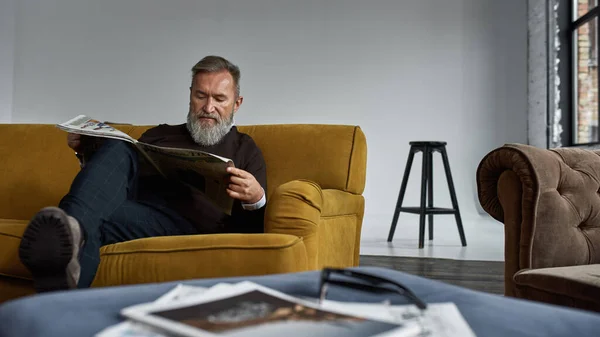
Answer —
(487, 276)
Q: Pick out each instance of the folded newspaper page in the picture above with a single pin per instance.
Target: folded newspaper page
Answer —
(439, 320)
(84, 125)
(248, 309)
(201, 171)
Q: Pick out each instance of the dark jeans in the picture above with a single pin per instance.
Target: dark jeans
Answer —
(103, 198)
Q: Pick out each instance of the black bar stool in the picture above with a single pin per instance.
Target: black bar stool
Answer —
(428, 148)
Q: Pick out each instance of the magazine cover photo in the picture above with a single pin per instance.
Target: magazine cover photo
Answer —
(256, 313)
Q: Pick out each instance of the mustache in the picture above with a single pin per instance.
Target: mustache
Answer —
(204, 115)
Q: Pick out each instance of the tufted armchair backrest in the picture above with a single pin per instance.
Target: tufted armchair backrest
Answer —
(556, 222)
(567, 227)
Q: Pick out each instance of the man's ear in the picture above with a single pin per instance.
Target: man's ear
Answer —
(238, 103)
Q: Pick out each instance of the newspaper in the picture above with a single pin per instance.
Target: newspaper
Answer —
(440, 319)
(201, 171)
(248, 309)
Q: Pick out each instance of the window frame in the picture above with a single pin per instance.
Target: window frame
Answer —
(567, 27)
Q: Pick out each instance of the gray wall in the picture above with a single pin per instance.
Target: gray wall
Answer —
(7, 51)
(453, 70)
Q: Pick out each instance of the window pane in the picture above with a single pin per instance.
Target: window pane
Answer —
(582, 6)
(586, 72)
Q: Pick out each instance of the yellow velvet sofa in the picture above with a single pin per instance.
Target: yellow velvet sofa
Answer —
(316, 176)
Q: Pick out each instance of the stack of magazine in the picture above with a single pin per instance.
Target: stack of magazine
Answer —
(249, 309)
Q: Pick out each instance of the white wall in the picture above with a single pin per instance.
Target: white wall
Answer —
(7, 51)
(403, 70)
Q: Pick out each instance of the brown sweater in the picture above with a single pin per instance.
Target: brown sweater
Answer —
(195, 207)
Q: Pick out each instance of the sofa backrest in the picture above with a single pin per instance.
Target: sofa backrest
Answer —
(37, 167)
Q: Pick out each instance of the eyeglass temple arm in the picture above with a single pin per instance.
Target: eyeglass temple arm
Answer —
(405, 291)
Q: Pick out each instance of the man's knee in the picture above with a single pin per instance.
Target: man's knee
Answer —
(118, 145)
(113, 148)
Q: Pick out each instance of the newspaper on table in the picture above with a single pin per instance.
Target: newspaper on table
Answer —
(439, 320)
(247, 309)
(201, 171)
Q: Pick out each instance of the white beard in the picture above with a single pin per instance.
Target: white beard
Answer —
(208, 135)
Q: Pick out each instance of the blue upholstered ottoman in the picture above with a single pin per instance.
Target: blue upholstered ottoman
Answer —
(85, 312)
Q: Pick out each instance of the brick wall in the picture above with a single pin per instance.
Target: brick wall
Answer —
(587, 77)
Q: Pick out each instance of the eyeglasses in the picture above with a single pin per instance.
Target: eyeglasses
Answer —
(377, 284)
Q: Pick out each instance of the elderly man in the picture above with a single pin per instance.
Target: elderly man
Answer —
(111, 200)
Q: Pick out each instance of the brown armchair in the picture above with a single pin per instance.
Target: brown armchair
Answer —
(549, 202)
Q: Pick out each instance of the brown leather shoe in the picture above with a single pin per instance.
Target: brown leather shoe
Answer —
(49, 249)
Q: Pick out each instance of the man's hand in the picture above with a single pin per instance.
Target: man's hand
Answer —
(74, 141)
(243, 186)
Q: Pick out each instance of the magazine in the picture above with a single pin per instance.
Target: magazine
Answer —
(440, 319)
(201, 171)
(248, 309)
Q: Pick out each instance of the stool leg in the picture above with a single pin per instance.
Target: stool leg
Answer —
(461, 231)
(430, 192)
(411, 156)
(423, 195)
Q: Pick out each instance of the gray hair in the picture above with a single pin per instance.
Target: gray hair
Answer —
(213, 64)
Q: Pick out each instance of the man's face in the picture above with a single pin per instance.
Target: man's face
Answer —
(212, 106)
(212, 98)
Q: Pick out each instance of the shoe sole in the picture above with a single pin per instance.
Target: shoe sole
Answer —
(46, 249)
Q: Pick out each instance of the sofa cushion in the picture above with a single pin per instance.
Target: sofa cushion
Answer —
(170, 258)
(36, 173)
(575, 286)
(10, 238)
(333, 156)
(173, 257)
(164, 258)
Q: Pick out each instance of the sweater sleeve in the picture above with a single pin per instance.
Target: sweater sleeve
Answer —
(252, 221)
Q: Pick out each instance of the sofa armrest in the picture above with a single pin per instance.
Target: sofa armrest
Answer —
(171, 258)
(340, 228)
(557, 221)
(295, 209)
(329, 221)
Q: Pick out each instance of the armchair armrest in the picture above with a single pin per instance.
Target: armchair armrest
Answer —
(548, 201)
(341, 225)
(170, 258)
(295, 209)
(329, 221)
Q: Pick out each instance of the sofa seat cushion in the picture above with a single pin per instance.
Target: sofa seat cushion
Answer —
(170, 258)
(10, 238)
(576, 286)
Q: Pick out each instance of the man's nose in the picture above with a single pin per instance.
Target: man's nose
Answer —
(209, 106)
